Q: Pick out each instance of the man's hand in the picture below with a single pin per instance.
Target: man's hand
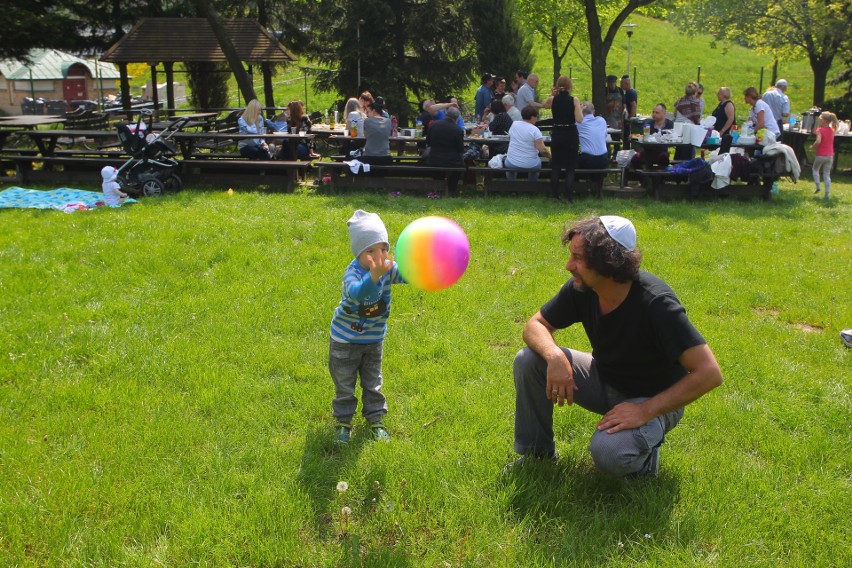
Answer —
(624, 416)
(560, 380)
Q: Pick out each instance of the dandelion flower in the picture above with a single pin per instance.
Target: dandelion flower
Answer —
(647, 535)
(346, 511)
(342, 486)
(377, 485)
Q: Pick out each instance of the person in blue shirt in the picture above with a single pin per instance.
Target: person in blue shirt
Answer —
(484, 95)
(359, 325)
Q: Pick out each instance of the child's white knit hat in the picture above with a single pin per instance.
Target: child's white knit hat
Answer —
(365, 230)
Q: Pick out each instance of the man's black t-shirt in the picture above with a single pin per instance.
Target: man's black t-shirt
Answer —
(637, 345)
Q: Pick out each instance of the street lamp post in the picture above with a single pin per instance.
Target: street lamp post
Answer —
(629, 35)
(358, 25)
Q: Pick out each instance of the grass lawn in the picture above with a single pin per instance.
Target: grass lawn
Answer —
(165, 399)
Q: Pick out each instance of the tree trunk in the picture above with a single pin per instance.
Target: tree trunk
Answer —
(243, 81)
(820, 66)
(598, 56)
(554, 49)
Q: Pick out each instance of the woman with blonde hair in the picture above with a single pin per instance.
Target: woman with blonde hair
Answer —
(688, 107)
(252, 122)
(824, 147)
(725, 113)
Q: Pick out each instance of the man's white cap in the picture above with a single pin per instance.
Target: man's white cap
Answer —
(781, 83)
(621, 230)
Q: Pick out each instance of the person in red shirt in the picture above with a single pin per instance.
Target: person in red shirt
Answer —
(824, 147)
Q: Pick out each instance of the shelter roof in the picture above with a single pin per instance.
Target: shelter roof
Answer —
(50, 64)
(154, 40)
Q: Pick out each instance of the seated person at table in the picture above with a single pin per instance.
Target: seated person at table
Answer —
(509, 102)
(593, 151)
(500, 125)
(446, 145)
(525, 145)
(252, 122)
(760, 114)
(352, 105)
(377, 130)
(659, 122)
(688, 107)
(425, 117)
(299, 122)
(366, 99)
(439, 110)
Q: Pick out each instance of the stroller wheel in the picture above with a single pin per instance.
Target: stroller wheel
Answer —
(174, 183)
(152, 187)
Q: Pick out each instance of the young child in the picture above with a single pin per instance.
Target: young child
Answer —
(359, 325)
(824, 146)
(113, 196)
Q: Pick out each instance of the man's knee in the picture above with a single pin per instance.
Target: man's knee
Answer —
(528, 363)
(618, 454)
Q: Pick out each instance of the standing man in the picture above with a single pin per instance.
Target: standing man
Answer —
(647, 361)
(484, 95)
(526, 94)
(614, 113)
(779, 103)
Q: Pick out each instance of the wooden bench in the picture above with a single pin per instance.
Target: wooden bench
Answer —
(61, 168)
(243, 172)
(494, 180)
(664, 185)
(398, 177)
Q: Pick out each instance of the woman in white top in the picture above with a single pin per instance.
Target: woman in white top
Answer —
(760, 114)
(252, 122)
(525, 145)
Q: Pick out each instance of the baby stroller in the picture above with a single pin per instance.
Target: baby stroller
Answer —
(150, 170)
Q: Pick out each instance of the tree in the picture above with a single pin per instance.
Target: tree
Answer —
(405, 46)
(502, 47)
(206, 10)
(816, 29)
(616, 12)
(557, 22)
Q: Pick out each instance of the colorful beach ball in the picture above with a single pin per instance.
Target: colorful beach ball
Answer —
(432, 253)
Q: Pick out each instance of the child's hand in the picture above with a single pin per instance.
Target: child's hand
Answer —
(378, 270)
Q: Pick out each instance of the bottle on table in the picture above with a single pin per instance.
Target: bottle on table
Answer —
(735, 134)
(646, 132)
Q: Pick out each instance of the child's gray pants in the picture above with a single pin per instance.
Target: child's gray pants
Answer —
(346, 361)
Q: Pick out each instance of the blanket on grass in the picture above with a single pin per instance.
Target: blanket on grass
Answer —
(63, 199)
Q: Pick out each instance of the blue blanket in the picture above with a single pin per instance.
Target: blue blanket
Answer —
(64, 199)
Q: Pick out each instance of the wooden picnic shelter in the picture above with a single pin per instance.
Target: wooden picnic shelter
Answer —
(189, 40)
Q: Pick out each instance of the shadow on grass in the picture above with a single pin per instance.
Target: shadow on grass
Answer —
(325, 463)
(572, 511)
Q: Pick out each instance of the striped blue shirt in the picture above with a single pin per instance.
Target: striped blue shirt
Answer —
(362, 315)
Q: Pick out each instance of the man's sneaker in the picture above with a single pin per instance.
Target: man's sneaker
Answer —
(342, 433)
(379, 432)
(527, 459)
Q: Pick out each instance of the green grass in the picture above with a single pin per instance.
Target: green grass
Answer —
(165, 400)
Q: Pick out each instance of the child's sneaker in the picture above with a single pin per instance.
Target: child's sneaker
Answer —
(379, 432)
(342, 433)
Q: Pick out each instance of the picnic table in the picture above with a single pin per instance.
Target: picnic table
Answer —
(47, 140)
(191, 142)
(29, 121)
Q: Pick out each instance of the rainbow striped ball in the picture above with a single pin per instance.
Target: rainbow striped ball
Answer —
(432, 253)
